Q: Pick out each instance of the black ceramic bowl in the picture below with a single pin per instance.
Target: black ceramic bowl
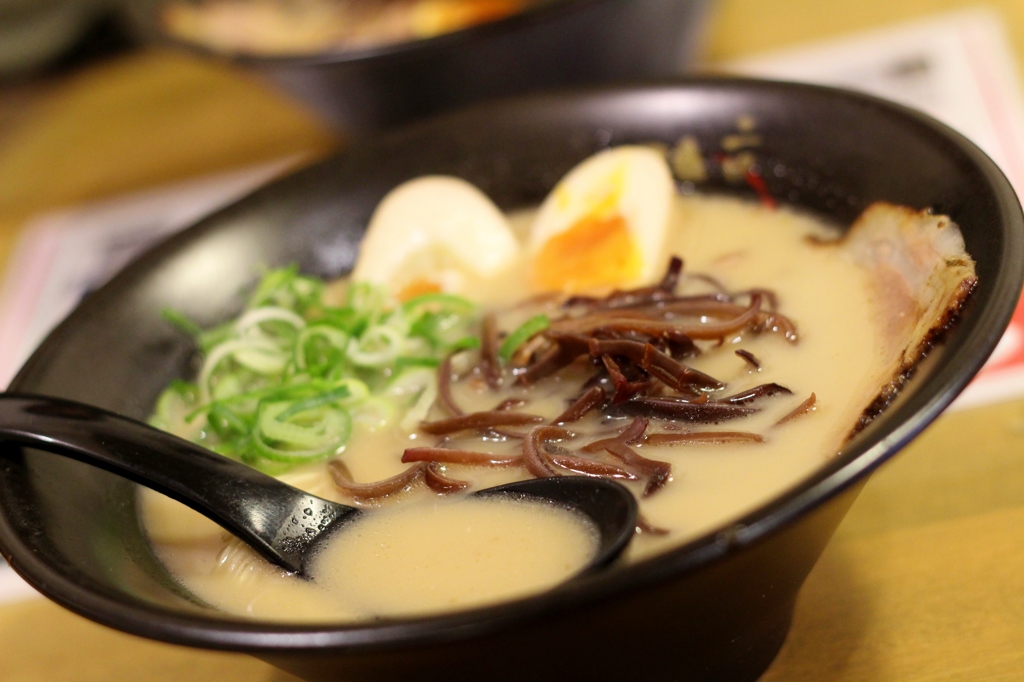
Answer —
(717, 608)
(558, 43)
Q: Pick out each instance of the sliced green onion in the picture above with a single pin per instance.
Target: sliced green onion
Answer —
(260, 359)
(347, 320)
(313, 402)
(211, 338)
(224, 421)
(465, 343)
(438, 302)
(287, 288)
(335, 340)
(407, 362)
(358, 391)
(312, 434)
(258, 316)
(271, 283)
(522, 334)
(282, 383)
(367, 298)
(173, 405)
(181, 322)
(224, 351)
(378, 346)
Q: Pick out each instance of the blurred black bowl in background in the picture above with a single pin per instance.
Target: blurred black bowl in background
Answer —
(559, 43)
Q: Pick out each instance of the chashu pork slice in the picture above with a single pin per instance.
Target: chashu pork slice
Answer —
(921, 276)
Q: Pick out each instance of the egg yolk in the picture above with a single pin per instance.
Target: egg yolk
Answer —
(418, 287)
(597, 252)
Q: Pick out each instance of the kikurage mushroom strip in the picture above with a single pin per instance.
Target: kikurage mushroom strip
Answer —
(476, 421)
(444, 388)
(490, 367)
(590, 399)
(801, 409)
(454, 456)
(750, 359)
(636, 343)
(429, 473)
(624, 299)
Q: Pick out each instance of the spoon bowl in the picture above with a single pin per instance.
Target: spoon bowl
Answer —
(283, 523)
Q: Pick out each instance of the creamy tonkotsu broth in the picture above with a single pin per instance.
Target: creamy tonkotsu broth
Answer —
(427, 556)
(454, 554)
(846, 349)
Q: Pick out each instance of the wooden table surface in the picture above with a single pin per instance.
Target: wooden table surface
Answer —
(924, 579)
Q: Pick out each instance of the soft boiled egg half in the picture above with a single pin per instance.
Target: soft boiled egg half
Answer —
(436, 233)
(604, 225)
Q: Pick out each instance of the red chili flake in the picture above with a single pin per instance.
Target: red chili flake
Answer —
(757, 183)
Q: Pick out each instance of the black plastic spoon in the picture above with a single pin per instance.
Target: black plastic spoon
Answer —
(280, 522)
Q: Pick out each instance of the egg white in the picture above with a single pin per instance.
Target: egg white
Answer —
(436, 231)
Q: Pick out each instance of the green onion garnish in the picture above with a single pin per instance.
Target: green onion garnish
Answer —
(279, 384)
(522, 334)
(181, 322)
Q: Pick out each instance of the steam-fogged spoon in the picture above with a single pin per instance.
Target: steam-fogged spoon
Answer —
(279, 521)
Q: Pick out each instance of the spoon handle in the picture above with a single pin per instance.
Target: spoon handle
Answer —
(274, 518)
